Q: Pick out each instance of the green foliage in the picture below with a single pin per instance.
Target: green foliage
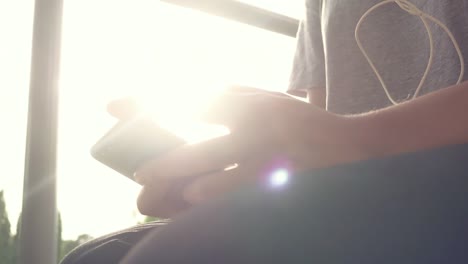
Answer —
(149, 219)
(83, 239)
(15, 241)
(68, 245)
(6, 247)
(9, 244)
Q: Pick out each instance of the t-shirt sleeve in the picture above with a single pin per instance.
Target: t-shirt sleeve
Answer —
(308, 69)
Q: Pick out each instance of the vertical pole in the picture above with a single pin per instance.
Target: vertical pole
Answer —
(38, 232)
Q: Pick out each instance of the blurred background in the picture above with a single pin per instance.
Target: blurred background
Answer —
(174, 58)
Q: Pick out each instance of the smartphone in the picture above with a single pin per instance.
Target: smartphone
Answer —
(131, 143)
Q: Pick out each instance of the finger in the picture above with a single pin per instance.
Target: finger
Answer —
(153, 201)
(246, 90)
(192, 160)
(240, 105)
(262, 171)
(124, 108)
(220, 183)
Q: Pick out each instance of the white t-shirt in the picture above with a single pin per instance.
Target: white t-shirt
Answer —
(328, 56)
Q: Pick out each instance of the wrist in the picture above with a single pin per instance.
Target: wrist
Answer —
(367, 137)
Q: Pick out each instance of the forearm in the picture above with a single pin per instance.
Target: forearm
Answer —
(434, 120)
(317, 96)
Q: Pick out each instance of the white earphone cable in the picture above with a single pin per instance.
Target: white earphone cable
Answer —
(413, 10)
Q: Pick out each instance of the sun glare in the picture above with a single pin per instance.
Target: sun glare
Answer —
(279, 177)
(174, 61)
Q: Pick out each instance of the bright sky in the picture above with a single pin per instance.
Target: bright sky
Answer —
(175, 57)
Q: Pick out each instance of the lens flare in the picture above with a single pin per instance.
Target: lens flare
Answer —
(279, 177)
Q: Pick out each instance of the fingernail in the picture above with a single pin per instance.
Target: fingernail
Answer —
(140, 178)
(144, 174)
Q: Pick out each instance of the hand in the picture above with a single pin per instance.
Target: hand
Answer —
(154, 196)
(268, 130)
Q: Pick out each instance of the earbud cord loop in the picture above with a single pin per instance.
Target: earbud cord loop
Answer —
(413, 10)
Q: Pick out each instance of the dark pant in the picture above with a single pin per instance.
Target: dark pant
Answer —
(111, 248)
(407, 209)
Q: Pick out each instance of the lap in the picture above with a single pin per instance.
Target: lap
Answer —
(112, 247)
(406, 209)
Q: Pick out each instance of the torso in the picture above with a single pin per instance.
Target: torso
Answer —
(397, 42)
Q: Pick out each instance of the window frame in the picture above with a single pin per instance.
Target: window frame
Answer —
(244, 13)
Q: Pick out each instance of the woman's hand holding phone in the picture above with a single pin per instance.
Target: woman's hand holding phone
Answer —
(268, 131)
(158, 198)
